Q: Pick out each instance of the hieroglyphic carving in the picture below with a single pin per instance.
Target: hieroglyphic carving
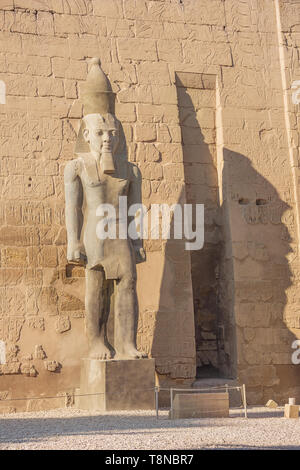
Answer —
(12, 302)
(4, 394)
(47, 300)
(31, 213)
(62, 324)
(263, 214)
(10, 328)
(31, 300)
(39, 352)
(12, 368)
(36, 323)
(28, 369)
(52, 366)
(12, 353)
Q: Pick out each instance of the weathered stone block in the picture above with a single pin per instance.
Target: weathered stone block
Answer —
(151, 170)
(147, 153)
(173, 171)
(19, 84)
(126, 112)
(209, 13)
(137, 49)
(145, 133)
(10, 42)
(68, 68)
(200, 405)
(45, 46)
(148, 29)
(15, 257)
(120, 28)
(164, 94)
(50, 87)
(45, 23)
(111, 9)
(65, 24)
(117, 385)
(136, 94)
(88, 45)
(31, 65)
(156, 73)
(169, 50)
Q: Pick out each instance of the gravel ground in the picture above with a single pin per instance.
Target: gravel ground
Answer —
(74, 429)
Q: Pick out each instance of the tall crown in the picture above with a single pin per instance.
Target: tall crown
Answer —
(96, 91)
(97, 98)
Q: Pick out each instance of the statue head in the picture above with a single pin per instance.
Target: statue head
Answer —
(99, 131)
(102, 135)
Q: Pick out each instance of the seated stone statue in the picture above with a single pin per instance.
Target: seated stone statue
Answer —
(99, 176)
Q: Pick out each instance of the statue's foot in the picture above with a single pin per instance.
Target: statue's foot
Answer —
(98, 350)
(131, 352)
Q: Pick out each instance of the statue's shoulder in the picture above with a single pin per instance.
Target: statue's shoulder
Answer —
(73, 169)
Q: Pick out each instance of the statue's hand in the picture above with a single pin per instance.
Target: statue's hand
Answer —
(74, 254)
(140, 254)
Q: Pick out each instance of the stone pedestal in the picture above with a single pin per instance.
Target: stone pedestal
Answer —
(117, 385)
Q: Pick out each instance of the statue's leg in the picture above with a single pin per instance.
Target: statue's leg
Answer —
(96, 316)
(125, 317)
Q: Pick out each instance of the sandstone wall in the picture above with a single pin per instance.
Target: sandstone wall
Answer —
(203, 93)
(260, 196)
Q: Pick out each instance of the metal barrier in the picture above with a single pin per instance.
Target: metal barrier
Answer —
(226, 388)
(156, 390)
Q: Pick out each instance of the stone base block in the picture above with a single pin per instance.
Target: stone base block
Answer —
(200, 405)
(117, 385)
(291, 411)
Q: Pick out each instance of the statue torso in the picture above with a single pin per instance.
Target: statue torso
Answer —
(99, 188)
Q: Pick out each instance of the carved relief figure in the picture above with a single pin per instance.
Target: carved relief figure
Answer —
(99, 175)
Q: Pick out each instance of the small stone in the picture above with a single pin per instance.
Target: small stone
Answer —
(271, 404)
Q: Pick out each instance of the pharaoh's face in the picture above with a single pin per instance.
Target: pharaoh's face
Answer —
(102, 133)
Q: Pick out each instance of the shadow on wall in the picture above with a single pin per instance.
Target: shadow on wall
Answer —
(197, 106)
(260, 249)
(241, 276)
(189, 277)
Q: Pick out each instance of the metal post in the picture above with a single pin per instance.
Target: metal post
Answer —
(171, 403)
(244, 399)
(156, 401)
